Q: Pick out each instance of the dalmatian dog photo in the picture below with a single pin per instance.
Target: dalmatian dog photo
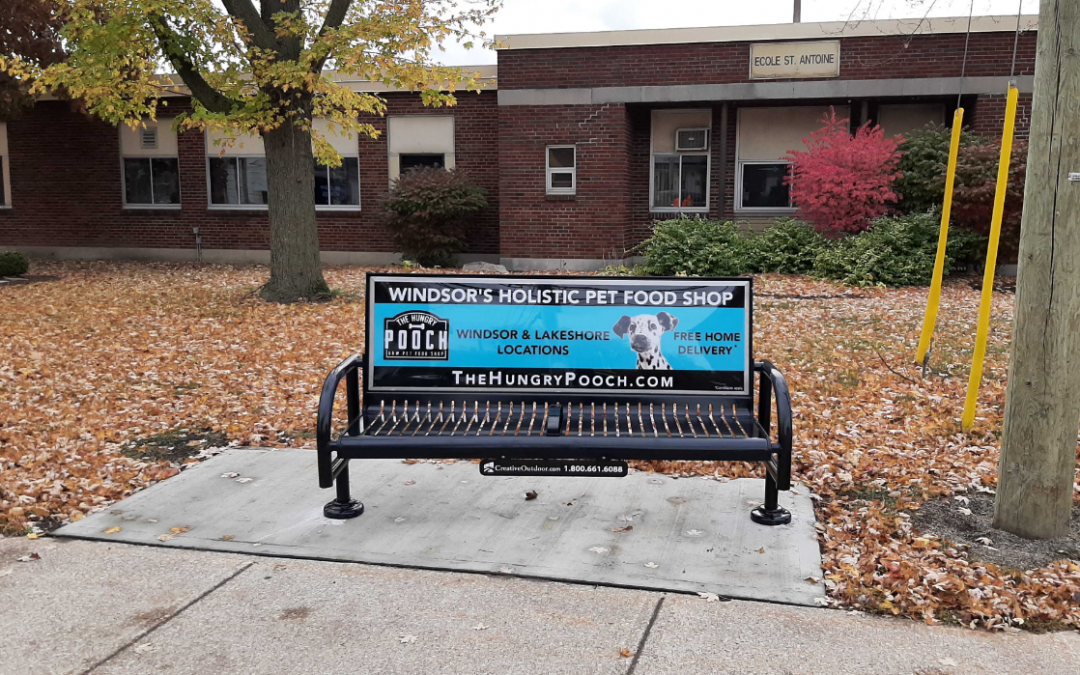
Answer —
(645, 331)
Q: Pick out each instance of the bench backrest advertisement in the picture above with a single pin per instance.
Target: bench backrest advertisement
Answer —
(549, 334)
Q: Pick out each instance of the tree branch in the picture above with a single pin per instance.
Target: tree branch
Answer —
(335, 15)
(211, 98)
(257, 31)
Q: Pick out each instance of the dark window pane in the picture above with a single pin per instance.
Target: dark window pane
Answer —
(166, 175)
(253, 188)
(419, 161)
(223, 180)
(137, 184)
(665, 181)
(561, 158)
(345, 183)
(695, 181)
(322, 187)
(562, 180)
(763, 186)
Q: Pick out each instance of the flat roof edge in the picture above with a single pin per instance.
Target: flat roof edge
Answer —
(769, 32)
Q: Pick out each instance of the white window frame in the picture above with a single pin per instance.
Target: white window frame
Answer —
(740, 163)
(694, 153)
(232, 207)
(138, 206)
(739, 208)
(549, 170)
(359, 192)
(123, 175)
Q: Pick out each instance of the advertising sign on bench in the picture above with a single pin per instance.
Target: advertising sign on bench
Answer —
(558, 334)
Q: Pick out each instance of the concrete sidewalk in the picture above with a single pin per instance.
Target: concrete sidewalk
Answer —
(93, 607)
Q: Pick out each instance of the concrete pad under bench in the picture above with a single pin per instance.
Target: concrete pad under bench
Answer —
(645, 531)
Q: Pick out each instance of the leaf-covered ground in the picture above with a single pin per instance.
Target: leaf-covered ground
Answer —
(110, 371)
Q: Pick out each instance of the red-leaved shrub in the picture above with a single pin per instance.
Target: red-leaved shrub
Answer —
(842, 181)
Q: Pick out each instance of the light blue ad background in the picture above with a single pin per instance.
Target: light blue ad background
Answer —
(590, 354)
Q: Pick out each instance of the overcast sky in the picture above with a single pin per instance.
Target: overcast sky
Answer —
(563, 16)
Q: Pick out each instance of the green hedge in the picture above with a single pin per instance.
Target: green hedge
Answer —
(894, 251)
(13, 264)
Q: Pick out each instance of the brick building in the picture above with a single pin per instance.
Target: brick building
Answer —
(582, 141)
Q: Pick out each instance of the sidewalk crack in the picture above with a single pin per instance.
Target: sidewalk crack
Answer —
(645, 635)
(167, 619)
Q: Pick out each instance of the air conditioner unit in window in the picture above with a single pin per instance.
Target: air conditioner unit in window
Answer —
(691, 139)
(148, 139)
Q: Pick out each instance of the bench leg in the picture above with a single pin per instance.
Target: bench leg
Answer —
(343, 506)
(771, 513)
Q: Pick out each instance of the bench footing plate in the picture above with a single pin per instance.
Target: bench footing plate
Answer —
(345, 510)
(777, 516)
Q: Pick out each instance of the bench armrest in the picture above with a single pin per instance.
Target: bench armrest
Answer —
(349, 370)
(774, 385)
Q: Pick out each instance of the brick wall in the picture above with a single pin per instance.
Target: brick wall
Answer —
(989, 118)
(66, 186)
(589, 225)
(725, 62)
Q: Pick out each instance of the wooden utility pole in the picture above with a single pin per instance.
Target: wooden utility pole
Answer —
(1042, 404)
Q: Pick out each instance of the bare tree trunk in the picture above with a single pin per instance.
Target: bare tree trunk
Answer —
(295, 271)
(1042, 404)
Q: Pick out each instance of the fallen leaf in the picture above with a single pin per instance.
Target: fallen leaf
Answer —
(760, 550)
(165, 537)
(813, 580)
(112, 530)
(694, 533)
(29, 558)
(506, 570)
(966, 512)
(625, 653)
(34, 535)
(985, 541)
(227, 537)
(179, 530)
(651, 565)
(231, 474)
(244, 480)
(409, 482)
(598, 549)
(709, 597)
(531, 494)
(622, 530)
(824, 602)
(406, 639)
(479, 626)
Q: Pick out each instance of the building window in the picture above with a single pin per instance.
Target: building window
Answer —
(763, 185)
(680, 181)
(238, 181)
(150, 165)
(422, 161)
(680, 161)
(415, 141)
(764, 137)
(338, 185)
(561, 170)
(151, 181)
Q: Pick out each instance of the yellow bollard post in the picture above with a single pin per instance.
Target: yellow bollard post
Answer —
(991, 261)
(930, 318)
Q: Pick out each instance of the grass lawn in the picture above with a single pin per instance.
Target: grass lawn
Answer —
(114, 374)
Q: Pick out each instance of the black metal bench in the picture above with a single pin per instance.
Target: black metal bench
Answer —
(571, 426)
